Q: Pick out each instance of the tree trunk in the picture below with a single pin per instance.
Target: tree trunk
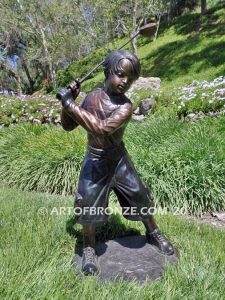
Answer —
(19, 88)
(48, 58)
(157, 29)
(37, 27)
(134, 21)
(133, 44)
(203, 7)
(18, 81)
(169, 12)
(30, 80)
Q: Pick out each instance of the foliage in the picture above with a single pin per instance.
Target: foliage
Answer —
(191, 48)
(41, 37)
(201, 96)
(41, 158)
(37, 108)
(183, 163)
(80, 68)
(37, 248)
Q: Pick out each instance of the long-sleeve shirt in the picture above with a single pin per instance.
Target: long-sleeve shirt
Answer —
(105, 118)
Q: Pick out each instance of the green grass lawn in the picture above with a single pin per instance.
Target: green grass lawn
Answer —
(36, 250)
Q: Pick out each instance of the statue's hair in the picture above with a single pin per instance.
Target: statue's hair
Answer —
(112, 62)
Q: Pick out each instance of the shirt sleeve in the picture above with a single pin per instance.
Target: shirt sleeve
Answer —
(67, 122)
(94, 125)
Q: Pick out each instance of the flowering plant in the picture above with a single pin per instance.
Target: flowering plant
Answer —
(205, 96)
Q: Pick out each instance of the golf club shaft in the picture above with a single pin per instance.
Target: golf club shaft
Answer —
(96, 67)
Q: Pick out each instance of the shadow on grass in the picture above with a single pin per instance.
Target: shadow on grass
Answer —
(192, 54)
(210, 24)
(176, 58)
(111, 230)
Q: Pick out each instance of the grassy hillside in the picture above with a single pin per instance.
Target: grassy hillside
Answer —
(192, 47)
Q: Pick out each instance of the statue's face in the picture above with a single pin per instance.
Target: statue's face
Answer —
(120, 82)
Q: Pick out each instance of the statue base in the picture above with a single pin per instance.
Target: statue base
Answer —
(128, 258)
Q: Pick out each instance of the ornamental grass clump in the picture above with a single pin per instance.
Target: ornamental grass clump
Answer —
(41, 158)
(183, 163)
(201, 96)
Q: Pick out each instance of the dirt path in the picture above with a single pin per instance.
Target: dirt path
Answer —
(214, 219)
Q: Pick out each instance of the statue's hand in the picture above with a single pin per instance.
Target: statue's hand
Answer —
(75, 88)
(67, 95)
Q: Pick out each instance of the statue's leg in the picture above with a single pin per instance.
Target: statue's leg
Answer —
(132, 192)
(150, 224)
(89, 236)
(89, 259)
(94, 186)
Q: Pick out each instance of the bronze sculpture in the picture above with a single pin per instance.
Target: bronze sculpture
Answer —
(104, 113)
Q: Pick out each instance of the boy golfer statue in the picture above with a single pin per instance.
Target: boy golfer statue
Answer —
(105, 113)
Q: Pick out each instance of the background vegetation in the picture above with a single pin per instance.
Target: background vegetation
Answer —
(43, 45)
(182, 162)
(38, 38)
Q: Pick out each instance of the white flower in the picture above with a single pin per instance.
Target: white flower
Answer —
(220, 91)
(204, 95)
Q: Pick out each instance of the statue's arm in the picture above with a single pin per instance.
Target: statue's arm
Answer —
(95, 125)
(67, 122)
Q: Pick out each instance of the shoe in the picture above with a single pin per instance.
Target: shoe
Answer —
(158, 239)
(89, 262)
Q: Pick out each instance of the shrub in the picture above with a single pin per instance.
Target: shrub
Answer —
(182, 163)
(80, 68)
(22, 109)
(201, 96)
(41, 158)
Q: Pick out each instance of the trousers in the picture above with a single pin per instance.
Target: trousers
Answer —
(105, 170)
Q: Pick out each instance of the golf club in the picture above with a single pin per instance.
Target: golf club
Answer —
(147, 31)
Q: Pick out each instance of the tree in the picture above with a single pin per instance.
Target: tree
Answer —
(56, 32)
(203, 7)
(41, 25)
